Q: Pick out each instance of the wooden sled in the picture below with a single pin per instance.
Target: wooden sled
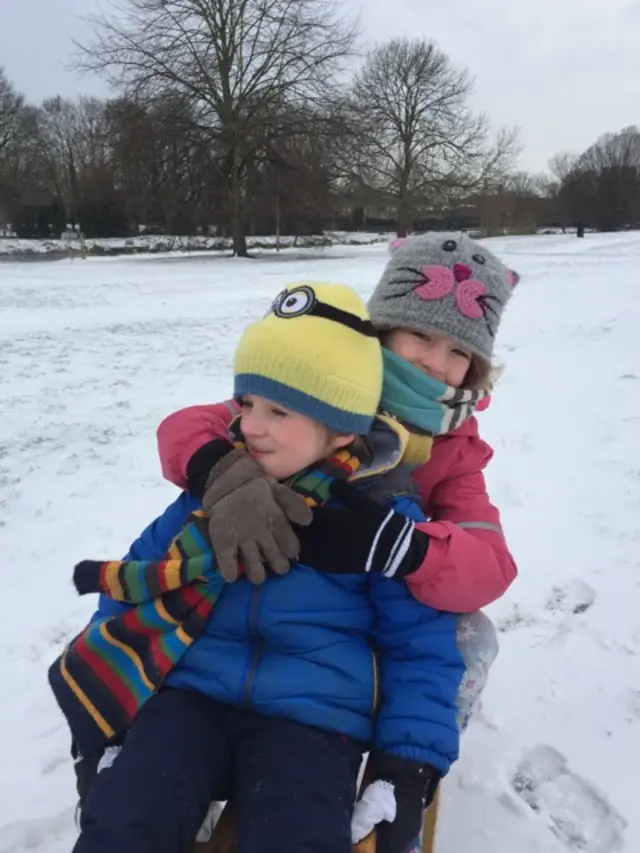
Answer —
(223, 839)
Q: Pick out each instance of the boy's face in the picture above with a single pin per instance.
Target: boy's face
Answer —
(284, 442)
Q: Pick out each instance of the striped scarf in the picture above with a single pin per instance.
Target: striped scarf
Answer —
(423, 404)
(115, 665)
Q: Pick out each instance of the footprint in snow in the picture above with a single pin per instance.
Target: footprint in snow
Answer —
(515, 619)
(565, 601)
(573, 598)
(580, 817)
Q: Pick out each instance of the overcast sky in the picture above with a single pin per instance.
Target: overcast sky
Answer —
(566, 71)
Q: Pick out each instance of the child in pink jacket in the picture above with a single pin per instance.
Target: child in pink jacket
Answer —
(437, 307)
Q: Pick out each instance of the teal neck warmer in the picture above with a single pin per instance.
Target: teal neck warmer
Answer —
(422, 403)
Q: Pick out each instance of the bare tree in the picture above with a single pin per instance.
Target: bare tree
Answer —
(562, 164)
(419, 140)
(234, 62)
(59, 122)
(11, 104)
(494, 163)
(603, 186)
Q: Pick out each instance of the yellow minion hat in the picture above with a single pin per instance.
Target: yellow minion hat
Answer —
(315, 353)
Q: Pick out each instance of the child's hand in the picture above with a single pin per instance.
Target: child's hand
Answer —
(361, 536)
(414, 785)
(250, 518)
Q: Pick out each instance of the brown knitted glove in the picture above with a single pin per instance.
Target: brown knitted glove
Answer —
(250, 517)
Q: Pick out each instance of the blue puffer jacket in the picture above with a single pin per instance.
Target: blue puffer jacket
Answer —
(347, 653)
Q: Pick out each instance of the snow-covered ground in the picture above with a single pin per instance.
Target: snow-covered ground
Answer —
(94, 353)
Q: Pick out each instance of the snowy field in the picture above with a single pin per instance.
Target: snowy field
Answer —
(94, 353)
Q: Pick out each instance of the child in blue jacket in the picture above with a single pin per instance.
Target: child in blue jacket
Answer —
(271, 693)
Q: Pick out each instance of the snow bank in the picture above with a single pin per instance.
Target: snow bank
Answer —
(154, 244)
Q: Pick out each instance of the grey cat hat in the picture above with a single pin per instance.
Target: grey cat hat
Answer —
(445, 283)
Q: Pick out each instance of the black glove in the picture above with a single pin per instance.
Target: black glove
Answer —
(200, 465)
(361, 536)
(415, 785)
(86, 767)
(86, 770)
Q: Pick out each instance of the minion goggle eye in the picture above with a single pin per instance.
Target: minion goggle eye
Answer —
(303, 300)
(294, 303)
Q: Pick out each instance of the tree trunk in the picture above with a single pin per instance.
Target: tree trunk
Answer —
(403, 220)
(403, 212)
(74, 190)
(238, 234)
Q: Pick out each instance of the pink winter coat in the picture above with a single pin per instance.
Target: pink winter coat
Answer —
(468, 564)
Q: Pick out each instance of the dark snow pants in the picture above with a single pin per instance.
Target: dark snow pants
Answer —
(293, 786)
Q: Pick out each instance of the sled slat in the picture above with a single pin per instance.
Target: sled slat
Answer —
(429, 825)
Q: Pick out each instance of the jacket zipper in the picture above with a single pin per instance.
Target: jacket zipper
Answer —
(376, 683)
(256, 654)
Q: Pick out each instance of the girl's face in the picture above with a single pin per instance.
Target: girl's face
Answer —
(439, 357)
(284, 442)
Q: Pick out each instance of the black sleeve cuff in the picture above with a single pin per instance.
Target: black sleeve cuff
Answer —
(414, 557)
(408, 776)
(86, 577)
(386, 765)
(200, 465)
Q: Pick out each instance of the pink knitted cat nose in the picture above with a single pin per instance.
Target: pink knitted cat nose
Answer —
(461, 272)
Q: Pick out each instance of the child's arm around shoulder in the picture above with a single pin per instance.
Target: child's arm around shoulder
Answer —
(184, 432)
(468, 564)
